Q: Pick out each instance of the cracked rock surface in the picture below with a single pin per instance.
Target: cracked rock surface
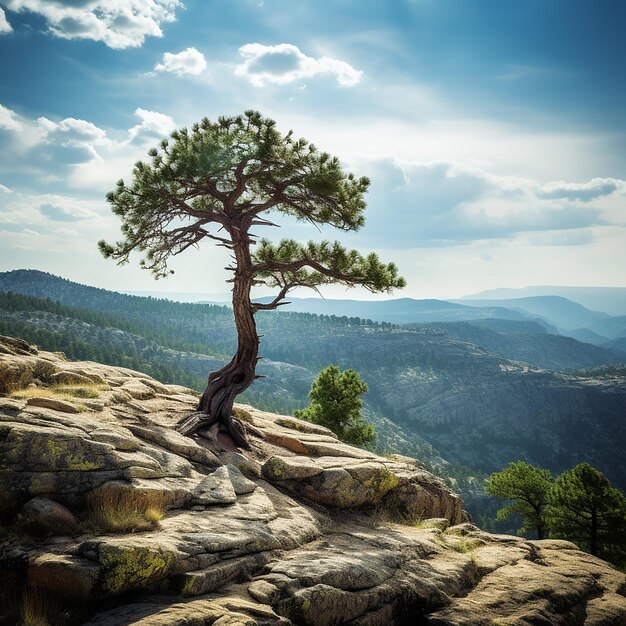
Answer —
(301, 529)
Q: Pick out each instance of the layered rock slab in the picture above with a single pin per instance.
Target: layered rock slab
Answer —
(293, 541)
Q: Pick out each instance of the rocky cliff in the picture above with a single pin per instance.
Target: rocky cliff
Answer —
(112, 518)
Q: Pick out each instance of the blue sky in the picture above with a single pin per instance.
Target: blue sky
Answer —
(493, 131)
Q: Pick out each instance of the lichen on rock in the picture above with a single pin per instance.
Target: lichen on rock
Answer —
(298, 539)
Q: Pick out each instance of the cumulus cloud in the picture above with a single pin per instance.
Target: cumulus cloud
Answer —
(9, 119)
(189, 61)
(5, 27)
(58, 213)
(579, 237)
(153, 126)
(585, 192)
(47, 213)
(66, 232)
(284, 63)
(75, 153)
(442, 203)
(117, 23)
(70, 141)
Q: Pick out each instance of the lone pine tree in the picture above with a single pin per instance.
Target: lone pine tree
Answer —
(219, 180)
(336, 403)
(528, 487)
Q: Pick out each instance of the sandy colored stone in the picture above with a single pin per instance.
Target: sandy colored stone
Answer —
(65, 377)
(216, 488)
(14, 374)
(53, 403)
(138, 390)
(241, 484)
(279, 468)
(284, 548)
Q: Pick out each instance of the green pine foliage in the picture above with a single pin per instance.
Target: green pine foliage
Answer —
(336, 404)
(527, 487)
(581, 506)
(230, 174)
(585, 508)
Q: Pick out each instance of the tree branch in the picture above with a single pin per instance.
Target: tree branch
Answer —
(276, 302)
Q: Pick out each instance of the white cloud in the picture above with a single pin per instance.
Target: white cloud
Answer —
(153, 126)
(591, 190)
(5, 189)
(189, 61)
(73, 152)
(284, 63)
(73, 130)
(447, 204)
(5, 27)
(8, 119)
(67, 232)
(42, 211)
(117, 23)
(70, 141)
(58, 213)
(425, 131)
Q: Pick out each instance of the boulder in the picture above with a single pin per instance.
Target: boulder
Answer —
(216, 488)
(42, 516)
(53, 403)
(14, 374)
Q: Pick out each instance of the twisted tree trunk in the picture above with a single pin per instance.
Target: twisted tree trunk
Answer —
(216, 403)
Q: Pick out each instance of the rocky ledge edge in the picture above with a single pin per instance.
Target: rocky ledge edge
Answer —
(301, 529)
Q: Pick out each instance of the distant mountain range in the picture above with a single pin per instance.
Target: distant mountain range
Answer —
(611, 300)
(402, 310)
(556, 314)
(563, 313)
(478, 392)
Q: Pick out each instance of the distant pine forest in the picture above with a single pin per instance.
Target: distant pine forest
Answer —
(465, 398)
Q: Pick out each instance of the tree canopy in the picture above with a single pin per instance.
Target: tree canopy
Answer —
(585, 508)
(336, 404)
(217, 181)
(527, 486)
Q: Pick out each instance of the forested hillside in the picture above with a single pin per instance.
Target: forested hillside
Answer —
(480, 395)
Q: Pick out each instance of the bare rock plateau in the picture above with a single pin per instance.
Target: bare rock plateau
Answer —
(110, 518)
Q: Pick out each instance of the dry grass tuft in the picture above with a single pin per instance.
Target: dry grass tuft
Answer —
(35, 608)
(41, 608)
(466, 545)
(121, 509)
(384, 515)
(61, 392)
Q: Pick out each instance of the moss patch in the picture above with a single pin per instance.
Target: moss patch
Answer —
(60, 453)
(382, 481)
(274, 469)
(133, 567)
(293, 425)
(242, 415)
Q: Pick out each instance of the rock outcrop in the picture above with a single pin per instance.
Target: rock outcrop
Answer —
(302, 529)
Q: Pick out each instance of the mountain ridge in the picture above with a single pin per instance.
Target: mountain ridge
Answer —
(436, 389)
(610, 300)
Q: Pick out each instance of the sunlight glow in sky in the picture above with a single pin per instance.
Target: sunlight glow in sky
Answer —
(494, 132)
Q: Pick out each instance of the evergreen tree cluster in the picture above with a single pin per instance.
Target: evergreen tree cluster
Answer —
(580, 505)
